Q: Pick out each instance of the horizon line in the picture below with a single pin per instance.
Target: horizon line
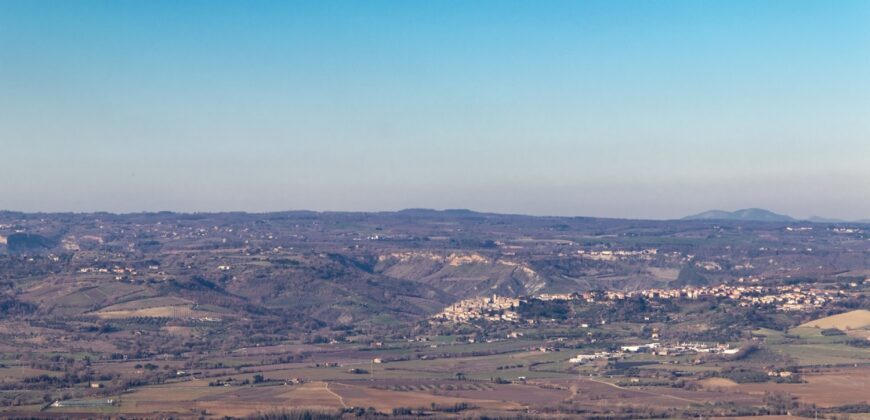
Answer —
(686, 218)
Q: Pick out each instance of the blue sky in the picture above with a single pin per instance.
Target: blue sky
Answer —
(608, 108)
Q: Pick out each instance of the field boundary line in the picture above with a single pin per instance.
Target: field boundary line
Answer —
(642, 391)
(340, 398)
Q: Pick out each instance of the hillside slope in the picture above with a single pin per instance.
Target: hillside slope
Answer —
(846, 321)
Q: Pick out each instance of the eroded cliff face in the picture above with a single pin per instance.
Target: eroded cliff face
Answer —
(463, 274)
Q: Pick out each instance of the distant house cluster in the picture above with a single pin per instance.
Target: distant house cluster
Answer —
(678, 349)
(494, 308)
(786, 298)
(658, 349)
(120, 273)
(614, 255)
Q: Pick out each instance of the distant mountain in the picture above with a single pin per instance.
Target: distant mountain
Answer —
(818, 219)
(749, 215)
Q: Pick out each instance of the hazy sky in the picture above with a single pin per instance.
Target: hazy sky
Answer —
(626, 109)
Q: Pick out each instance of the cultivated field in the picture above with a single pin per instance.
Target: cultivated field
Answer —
(846, 321)
(828, 388)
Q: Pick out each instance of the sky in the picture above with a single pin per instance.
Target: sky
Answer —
(642, 109)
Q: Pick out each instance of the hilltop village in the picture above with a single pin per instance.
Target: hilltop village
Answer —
(783, 298)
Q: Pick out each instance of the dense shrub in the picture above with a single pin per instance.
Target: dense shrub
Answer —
(828, 332)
